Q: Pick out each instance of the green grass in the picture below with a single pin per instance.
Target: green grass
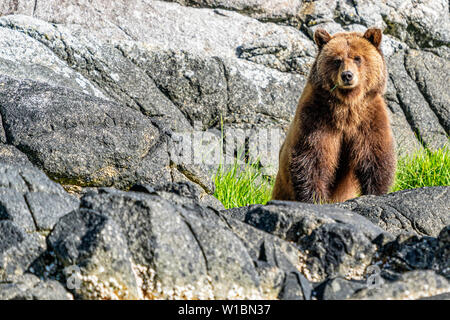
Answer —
(423, 169)
(239, 186)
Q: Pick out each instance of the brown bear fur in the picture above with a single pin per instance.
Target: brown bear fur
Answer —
(340, 142)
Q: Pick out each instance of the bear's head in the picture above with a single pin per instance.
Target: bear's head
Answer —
(349, 64)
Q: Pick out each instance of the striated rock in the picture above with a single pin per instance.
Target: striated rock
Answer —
(277, 11)
(420, 116)
(22, 57)
(426, 69)
(100, 95)
(422, 24)
(423, 211)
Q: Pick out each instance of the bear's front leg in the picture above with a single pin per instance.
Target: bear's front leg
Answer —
(313, 165)
(374, 160)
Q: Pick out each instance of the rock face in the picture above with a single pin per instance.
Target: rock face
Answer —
(111, 126)
(238, 63)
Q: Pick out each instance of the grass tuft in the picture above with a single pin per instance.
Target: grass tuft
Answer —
(423, 169)
(241, 185)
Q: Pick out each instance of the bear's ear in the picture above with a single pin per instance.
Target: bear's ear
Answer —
(321, 37)
(374, 36)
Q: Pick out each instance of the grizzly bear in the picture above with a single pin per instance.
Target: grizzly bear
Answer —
(339, 143)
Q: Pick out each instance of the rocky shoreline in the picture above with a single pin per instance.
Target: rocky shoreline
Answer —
(150, 244)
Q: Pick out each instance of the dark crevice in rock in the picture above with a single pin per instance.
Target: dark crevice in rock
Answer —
(31, 212)
(227, 79)
(190, 176)
(3, 132)
(205, 258)
(34, 7)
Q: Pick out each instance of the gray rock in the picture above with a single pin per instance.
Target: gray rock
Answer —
(331, 241)
(277, 11)
(411, 285)
(95, 257)
(407, 254)
(441, 261)
(423, 211)
(443, 296)
(29, 287)
(423, 24)
(293, 220)
(11, 155)
(104, 65)
(431, 73)
(113, 61)
(18, 249)
(277, 262)
(78, 139)
(338, 289)
(22, 57)
(294, 287)
(418, 113)
(30, 199)
(406, 142)
(190, 254)
(182, 193)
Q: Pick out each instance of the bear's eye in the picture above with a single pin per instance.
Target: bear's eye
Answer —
(337, 62)
(357, 59)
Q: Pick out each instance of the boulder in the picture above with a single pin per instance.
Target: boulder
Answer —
(30, 199)
(423, 211)
(331, 241)
(132, 106)
(79, 139)
(409, 253)
(178, 252)
(94, 256)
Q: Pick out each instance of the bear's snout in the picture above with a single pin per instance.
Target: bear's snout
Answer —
(347, 76)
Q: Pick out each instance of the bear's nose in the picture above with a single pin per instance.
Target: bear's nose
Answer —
(347, 76)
